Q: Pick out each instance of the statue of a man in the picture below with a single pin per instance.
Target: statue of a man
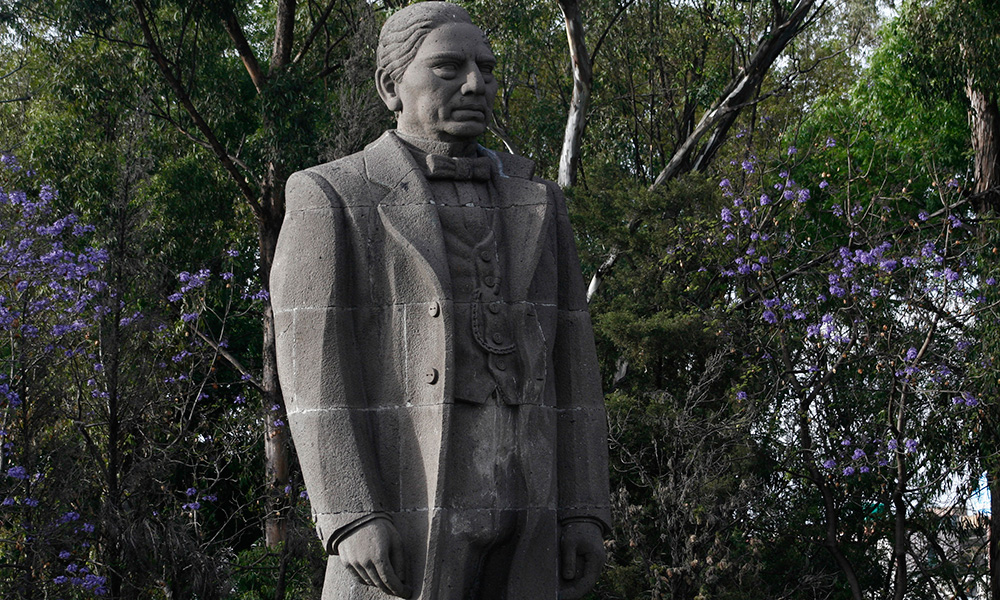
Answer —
(435, 349)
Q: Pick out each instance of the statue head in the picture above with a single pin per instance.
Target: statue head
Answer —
(435, 71)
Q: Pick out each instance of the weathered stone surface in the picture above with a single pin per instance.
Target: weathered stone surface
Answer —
(435, 350)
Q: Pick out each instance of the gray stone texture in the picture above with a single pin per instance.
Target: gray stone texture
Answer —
(486, 491)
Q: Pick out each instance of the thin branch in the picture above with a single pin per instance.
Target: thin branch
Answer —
(317, 28)
(182, 96)
(232, 360)
(607, 30)
(204, 144)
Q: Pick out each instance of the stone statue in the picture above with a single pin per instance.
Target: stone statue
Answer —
(435, 349)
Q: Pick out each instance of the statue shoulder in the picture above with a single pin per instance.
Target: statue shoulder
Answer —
(328, 184)
(513, 165)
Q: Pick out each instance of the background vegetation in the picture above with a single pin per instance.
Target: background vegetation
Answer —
(785, 209)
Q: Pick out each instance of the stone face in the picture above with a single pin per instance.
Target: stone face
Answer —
(457, 475)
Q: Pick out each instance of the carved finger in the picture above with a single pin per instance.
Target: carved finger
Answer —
(567, 555)
(393, 585)
(359, 573)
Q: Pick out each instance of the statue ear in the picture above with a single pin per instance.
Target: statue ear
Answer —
(387, 90)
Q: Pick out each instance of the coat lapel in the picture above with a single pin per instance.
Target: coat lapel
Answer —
(407, 211)
(527, 216)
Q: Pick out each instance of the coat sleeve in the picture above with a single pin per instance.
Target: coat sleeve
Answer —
(317, 357)
(582, 453)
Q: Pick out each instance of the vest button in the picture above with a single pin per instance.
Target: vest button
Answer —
(501, 364)
(486, 256)
(431, 376)
(494, 307)
(434, 309)
(490, 280)
(498, 338)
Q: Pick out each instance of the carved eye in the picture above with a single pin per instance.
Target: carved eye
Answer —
(446, 70)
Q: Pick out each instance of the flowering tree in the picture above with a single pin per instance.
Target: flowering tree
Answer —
(122, 431)
(858, 304)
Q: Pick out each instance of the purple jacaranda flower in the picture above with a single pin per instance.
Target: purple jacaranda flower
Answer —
(792, 150)
(741, 395)
(175, 297)
(727, 215)
(858, 454)
(829, 463)
(830, 142)
(724, 183)
(770, 317)
(235, 253)
(190, 492)
(848, 471)
(188, 317)
(747, 166)
(911, 354)
(17, 472)
(911, 445)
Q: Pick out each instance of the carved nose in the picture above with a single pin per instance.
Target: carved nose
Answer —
(474, 82)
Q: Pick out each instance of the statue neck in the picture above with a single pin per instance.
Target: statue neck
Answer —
(465, 148)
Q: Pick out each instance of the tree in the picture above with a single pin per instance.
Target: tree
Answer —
(265, 125)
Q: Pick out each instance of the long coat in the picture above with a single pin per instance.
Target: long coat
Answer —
(362, 305)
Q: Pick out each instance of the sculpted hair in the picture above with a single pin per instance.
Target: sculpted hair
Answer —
(406, 29)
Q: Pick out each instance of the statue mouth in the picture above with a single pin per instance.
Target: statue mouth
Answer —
(466, 113)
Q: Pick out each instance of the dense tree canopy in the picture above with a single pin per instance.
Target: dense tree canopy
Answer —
(786, 208)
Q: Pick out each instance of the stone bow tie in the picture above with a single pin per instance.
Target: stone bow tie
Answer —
(463, 169)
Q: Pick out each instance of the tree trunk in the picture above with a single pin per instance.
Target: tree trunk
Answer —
(984, 122)
(277, 443)
(583, 75)
(993, 483)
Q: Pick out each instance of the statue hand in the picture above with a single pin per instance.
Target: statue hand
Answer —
(374, 552)
(581, 557)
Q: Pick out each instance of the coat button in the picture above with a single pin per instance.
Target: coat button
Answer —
(431, 376)
(434, 309)
(498, 338)
(490, 280)
(501, 364)
(486, 256)
(494, 307)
